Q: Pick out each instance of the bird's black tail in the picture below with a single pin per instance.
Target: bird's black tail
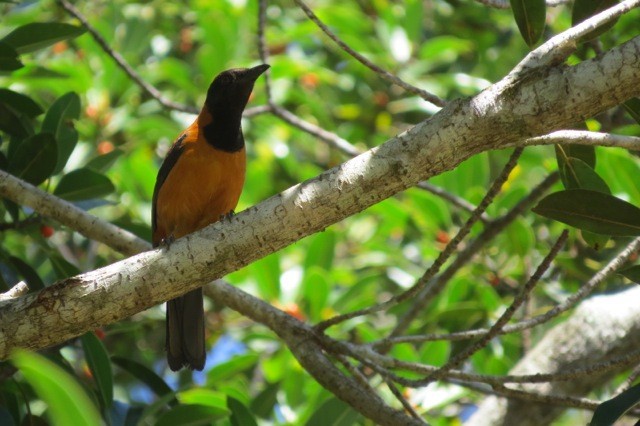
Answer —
(185, 331)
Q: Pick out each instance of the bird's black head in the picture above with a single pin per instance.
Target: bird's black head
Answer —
(230, 90)
(226, 98)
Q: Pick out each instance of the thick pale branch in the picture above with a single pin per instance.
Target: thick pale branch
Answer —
(499, 116)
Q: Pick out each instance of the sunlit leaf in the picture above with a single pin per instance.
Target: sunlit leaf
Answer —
(37, 35)
(232, 367)
(591, 211)
(192, 415)
(67, 402)
(530, 16)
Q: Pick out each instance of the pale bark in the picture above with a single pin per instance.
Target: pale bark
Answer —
(601, 328)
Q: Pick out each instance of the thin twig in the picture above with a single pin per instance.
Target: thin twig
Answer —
(442, 257)
(508, 313)
(613, 265)
(407, 406)
(262, 46)
(123, 64)
(504, 4)
(488, 234)
(21, 224)
(429, 97)
(459, 202)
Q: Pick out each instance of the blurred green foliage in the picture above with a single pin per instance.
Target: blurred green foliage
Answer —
(73, 123)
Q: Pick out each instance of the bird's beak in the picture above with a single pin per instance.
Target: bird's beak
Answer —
(252, 74)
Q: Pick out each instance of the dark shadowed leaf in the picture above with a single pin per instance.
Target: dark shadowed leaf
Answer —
(530, 16)
(609, 411)
(67, 402)
(83, 184)
(37, 35)
(59, 122)
(9, 58)
(20, 103)
(28, 273)
(632, 273)
(240, 414)
(145, 375)
(591, 211)
(334, 412)
(262, 405)
(62, 268)
(579, 175)
(13, 122)
(34, 158)
(584, 9)
(584, 152)
(633, 108)
(100, 366)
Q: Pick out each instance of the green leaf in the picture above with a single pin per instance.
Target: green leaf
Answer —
(334, 412)
(67, 402)
(200, 396)
(9, 58)
(83, 184)
(102, 163)
(240, 414)
(37, 35)
(34, 158)
(28, 273)
(591, 211)
(609, 411)
(62, 268)
(145, 375)
(315, 289)
(20, 103)
(530, 16)
(321, 250)
(191, 415)
(13, 122)
(595, 241)
(100, 366)
(584, 9)
(580, 175)
(262, 405)
(633, 108)
(235, 365)
(58, 122)
(267, 273)
(632, 273)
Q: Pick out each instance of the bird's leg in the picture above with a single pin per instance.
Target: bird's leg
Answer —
(167, 241)
(227, 216)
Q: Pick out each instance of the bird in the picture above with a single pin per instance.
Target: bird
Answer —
(198, 183)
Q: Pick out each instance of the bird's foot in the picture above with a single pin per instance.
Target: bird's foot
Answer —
(167, 241)
(227, 216)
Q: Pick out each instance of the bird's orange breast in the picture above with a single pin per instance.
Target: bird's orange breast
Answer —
(203, 185)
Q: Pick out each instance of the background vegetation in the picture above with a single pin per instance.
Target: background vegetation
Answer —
(72, 122)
